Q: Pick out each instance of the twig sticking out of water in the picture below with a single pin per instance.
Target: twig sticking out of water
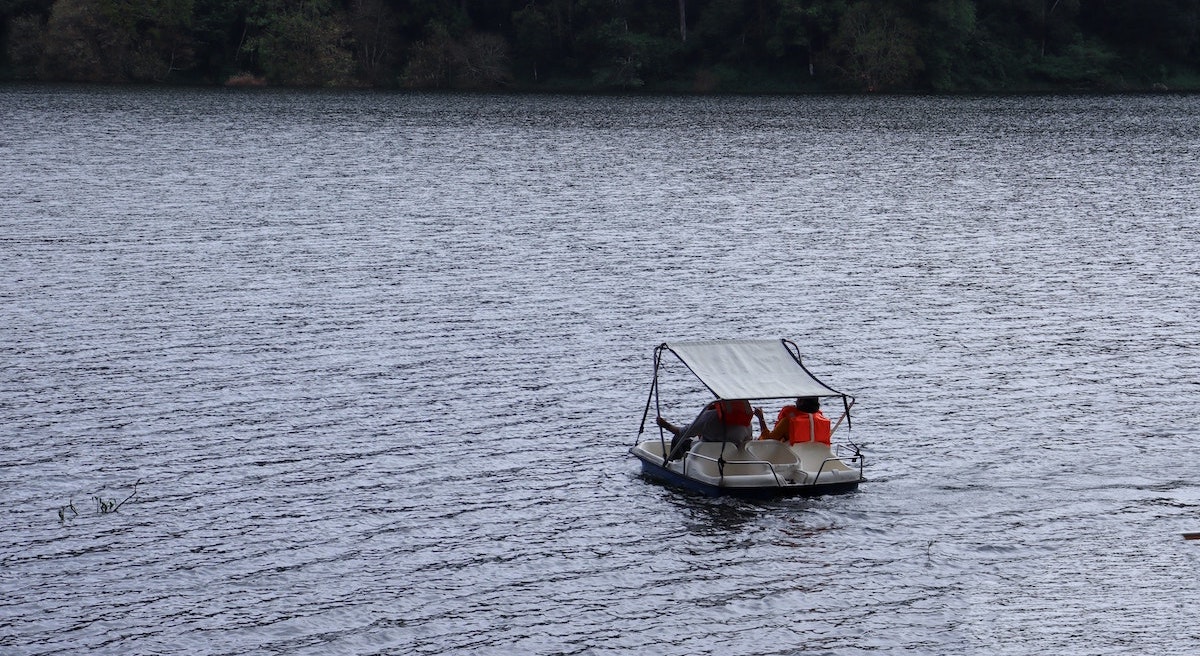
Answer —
(62, 512)
(104, 506)
(131, 494)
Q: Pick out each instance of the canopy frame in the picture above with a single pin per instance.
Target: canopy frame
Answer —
(743, 370)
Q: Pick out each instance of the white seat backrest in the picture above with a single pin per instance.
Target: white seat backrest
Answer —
(812, 454)
(772, 451)
(713, 449)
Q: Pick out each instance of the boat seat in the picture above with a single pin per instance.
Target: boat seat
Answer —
(747, 461)
(654, 447)
(813, 454)
(773, 451)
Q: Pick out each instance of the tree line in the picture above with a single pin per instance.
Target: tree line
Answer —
(611, 45)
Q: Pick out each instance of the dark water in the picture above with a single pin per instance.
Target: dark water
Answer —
(376, 361)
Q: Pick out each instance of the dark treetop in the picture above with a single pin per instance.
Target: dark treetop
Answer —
(612, 45)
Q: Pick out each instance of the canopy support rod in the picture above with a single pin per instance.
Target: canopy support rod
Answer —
(653, 397)
(845, 414)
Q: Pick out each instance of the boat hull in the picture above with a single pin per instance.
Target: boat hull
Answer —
(654, 470)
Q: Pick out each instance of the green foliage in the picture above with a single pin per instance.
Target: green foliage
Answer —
(624, 59)
(301, 42)
(707, 45)
(374, 25)
(803, 25)
(1082, 65)
(949, 44)
(24, 38)
(219, 28)
(537, 39)
(113, 40)
(431, 60)
(876, 47)
(470, 61)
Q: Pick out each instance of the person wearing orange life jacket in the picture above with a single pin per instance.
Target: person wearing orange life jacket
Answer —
(803, 422)
(720, 421)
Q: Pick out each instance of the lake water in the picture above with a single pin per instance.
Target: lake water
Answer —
(364, 369)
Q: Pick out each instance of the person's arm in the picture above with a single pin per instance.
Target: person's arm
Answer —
(762, 424)
(780, 432)
(671, 428)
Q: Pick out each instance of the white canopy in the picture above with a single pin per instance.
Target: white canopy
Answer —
(749, 369)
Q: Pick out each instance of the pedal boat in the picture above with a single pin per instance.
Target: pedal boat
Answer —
(756, 371)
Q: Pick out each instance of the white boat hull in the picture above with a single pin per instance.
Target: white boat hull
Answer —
(759, 468)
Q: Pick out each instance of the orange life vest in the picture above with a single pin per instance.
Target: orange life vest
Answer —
(805, 426)
(734, 413)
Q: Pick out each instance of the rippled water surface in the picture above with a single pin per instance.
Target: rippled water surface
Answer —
(363, 370)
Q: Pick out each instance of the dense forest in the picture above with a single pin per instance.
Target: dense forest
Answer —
(783, 46)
